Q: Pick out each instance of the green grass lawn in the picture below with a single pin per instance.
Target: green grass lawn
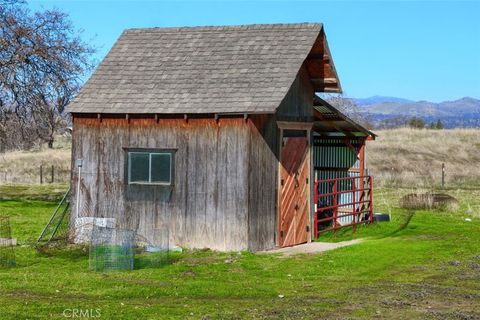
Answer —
(427, 269)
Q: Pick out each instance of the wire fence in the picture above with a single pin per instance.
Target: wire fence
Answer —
(7, 243)
(43, 174)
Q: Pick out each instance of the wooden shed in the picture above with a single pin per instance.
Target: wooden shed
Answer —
(212, 133)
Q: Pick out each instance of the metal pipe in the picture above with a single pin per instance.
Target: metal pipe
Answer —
(353, 204)
(79, 165)
(335, 204)
(54, 214)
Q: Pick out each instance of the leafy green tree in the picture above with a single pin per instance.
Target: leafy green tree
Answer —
(416, 123)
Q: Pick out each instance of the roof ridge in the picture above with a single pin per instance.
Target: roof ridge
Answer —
(298, 25)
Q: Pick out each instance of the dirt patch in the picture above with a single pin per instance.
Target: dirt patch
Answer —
(312, 247)
(429, 201)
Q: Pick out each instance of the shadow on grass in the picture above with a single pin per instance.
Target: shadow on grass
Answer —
(376, 230)
(151, 262)
(67, 252)
(404, 225)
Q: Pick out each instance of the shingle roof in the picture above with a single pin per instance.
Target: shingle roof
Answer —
(246, 69)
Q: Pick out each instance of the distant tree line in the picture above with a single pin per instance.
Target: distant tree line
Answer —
(419, 123)
(409, 122)
(42, 61)
(350, 108)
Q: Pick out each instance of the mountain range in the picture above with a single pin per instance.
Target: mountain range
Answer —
(463, 113)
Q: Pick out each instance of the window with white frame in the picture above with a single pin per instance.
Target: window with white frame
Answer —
(150, 167)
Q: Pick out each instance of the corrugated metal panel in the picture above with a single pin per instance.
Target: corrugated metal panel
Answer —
(329, 158)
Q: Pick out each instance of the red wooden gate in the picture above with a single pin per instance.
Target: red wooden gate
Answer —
(347, 202)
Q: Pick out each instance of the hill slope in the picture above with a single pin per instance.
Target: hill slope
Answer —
(410, 157)
(463, 112)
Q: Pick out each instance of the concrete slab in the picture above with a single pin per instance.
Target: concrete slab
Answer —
(6, 242)
(312, 247)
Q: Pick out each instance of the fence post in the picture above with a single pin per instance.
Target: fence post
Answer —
(41, 174)
(53, 174)
(443, 175)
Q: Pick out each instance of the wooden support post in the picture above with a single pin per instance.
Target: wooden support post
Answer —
(53, 173)
(41, 174)
(315, 208)
(361, 182)
(370, 193)
(443, 175)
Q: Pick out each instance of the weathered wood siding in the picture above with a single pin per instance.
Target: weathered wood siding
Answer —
(298, 102)
(208, 204)
(263, 170)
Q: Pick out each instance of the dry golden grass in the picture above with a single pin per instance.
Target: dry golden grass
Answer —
(412, 157)
(399, 157)
(24, 166)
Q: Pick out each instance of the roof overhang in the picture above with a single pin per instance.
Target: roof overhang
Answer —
(329, 121)
(320, 67)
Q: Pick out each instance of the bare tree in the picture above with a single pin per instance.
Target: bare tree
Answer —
(350, 108)
(42, 61)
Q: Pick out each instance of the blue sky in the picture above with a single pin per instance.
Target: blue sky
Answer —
(419, 50)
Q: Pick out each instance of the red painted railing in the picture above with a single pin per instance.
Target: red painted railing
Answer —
(342, 202)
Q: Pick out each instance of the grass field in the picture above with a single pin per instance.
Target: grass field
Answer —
(428, 269)
(411, 157)
(23, 166)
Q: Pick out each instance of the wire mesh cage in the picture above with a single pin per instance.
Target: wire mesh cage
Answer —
(111, 249)
(154, 251)
(7, 243)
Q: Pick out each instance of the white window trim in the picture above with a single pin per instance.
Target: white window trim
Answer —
(149, 182)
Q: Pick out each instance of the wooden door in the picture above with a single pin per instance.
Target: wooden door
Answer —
(294, 195)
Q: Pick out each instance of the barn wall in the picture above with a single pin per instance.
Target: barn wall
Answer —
(226, 173)
(263, 170)
(298, 102)
(208, 204)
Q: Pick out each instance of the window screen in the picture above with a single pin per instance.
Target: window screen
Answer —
(150, 167)
(161, 164)
(139, 164)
